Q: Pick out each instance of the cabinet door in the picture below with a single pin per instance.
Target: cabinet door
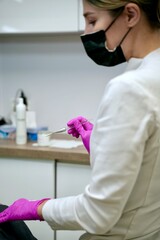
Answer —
(32, 179)
(38, 16)
(71, 180)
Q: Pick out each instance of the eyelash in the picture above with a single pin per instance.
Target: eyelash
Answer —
(92, 22)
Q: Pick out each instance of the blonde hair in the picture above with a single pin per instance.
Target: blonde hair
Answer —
(150, 7)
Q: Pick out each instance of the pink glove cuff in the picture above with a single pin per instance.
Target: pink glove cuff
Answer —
(35, 205)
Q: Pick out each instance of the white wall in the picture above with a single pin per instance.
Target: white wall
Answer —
(57, 76)
(1, 86)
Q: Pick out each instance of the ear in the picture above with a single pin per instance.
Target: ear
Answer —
(133, 14)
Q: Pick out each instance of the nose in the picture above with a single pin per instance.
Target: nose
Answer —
(88, 29)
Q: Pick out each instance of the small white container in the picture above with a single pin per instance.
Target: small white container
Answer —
(43, 139)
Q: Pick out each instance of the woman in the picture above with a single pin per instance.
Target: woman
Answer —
(122, 200)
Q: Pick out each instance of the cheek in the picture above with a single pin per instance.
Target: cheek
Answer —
(91, 29)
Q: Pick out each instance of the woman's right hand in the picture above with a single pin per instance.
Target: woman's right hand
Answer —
(80, 126)
(23, 209)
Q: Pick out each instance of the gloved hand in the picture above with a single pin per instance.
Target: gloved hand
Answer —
(80, 126)
(22, 209)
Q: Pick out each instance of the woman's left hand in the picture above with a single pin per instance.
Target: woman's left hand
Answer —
(80, 126)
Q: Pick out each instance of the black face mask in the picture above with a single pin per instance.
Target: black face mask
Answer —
(94, 44)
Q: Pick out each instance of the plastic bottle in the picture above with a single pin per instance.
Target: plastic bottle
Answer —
(21, 132)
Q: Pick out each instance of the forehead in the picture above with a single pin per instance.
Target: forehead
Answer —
(89, 9)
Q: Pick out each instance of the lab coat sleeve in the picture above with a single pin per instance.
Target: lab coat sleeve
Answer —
(124, 123)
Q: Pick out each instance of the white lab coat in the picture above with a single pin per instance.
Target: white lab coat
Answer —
(122, 200)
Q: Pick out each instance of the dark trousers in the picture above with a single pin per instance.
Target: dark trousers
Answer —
(15, 230)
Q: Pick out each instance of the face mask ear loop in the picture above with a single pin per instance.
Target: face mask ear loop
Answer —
(114, 20)
(112, 50)
(125, 36)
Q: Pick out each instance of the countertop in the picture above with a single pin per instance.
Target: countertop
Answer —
(78, 155)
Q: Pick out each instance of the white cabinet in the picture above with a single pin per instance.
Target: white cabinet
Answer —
(32, 179)
(38, 16)
(71, 180)
(36, 179)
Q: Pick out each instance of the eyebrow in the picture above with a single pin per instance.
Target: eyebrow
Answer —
(86, 14)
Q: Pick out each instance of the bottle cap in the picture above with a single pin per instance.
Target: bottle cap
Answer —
(20, 100)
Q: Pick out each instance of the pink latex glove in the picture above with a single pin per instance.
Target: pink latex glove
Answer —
(80, 126)
(22, 209)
